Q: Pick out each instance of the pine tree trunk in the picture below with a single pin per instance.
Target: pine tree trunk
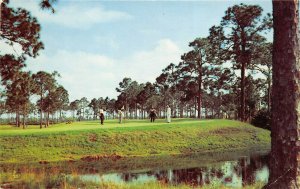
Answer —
(199, 98)
(181, 111)
(53, 118)
(17, 118)
(285, 153)
(269, 94)
(174, 112)
(24, 124)
(243, 62)
(136, 116)
(82, 113)
(59, 115)
(48, 117)
(242, 110)
(195, 102)
(41, 112)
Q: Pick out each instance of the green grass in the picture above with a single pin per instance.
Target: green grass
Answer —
(133, 138)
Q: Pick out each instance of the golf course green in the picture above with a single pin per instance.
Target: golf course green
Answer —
(88, 140)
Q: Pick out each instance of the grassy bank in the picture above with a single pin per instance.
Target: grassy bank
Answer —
(90, 141)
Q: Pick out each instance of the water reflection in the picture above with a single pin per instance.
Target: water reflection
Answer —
(237, 172)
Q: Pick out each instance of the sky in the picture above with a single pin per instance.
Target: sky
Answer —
(95, 44)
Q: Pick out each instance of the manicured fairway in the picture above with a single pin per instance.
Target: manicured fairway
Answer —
(133, 138)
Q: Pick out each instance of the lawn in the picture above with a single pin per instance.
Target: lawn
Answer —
(90, 140)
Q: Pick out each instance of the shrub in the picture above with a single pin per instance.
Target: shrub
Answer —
(262, 119)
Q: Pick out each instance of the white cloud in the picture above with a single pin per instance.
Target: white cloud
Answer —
(74, 16)
(93, 75)
(82, 73)
(145, 66)
(68, 16)
(108, 41)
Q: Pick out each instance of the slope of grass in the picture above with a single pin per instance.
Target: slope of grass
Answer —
(133, 138)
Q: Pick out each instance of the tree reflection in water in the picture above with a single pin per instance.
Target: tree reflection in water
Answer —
(231, 173)
(236, 173)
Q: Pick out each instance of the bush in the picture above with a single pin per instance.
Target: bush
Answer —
(262, 119)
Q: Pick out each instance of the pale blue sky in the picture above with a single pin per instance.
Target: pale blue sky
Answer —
(94, 44)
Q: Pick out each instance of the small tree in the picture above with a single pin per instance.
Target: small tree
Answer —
(83, 103)
(44, 83)
(73, 107)
(18, 94)
(61, 99)
(95, 107)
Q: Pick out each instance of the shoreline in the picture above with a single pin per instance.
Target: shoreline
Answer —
(138, 163)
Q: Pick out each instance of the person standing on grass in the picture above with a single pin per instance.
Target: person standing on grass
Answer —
(168, 114)
(152, 115)
(101, 116)
(120, 113)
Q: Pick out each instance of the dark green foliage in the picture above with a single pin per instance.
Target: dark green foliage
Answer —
(18, 26)
(262, 119)
(9, 67)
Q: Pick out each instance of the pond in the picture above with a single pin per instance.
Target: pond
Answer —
(230, 169)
